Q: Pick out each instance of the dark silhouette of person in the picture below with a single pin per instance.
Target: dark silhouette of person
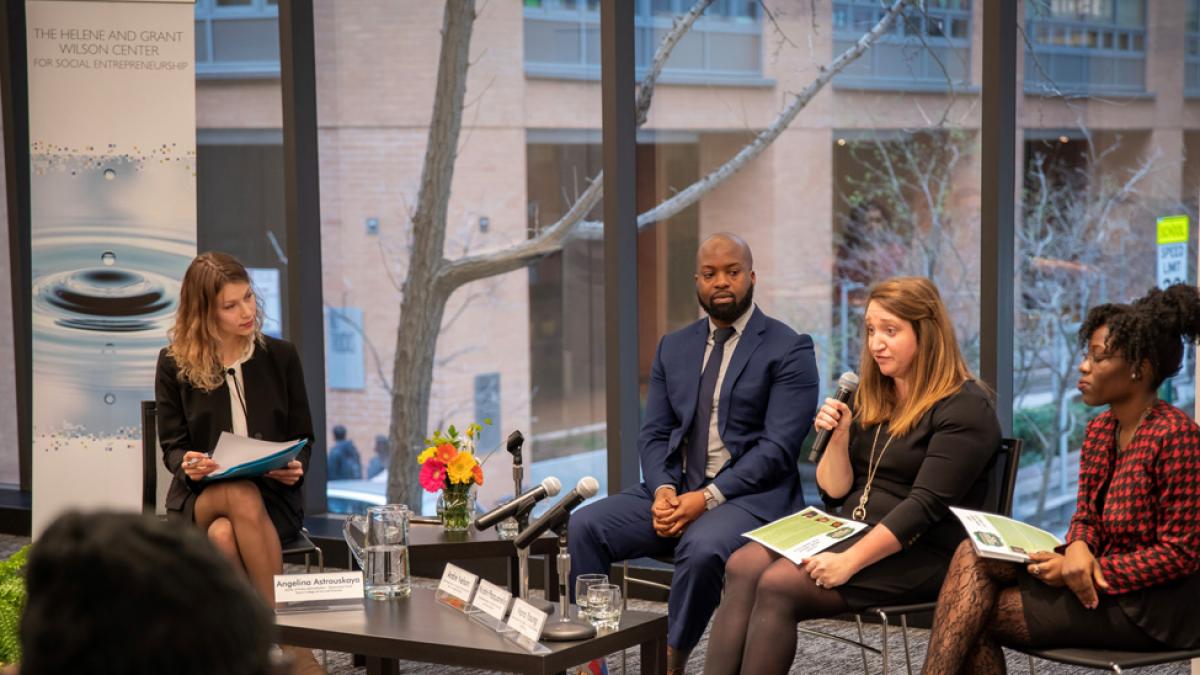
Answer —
(111, 593)
(379, 462)
(344, 462)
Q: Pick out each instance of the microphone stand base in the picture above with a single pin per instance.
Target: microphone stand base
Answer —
(542, 605)
(568, 630)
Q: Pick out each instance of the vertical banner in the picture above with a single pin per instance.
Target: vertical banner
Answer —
(112, 130)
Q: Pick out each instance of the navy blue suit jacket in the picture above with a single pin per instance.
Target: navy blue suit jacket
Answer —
(768, 400)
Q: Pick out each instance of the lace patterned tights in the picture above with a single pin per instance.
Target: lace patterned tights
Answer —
(978, 609)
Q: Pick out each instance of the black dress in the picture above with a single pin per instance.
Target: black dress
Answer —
(940, 463)
(276, 410)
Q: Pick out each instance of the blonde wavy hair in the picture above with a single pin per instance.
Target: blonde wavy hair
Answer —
(195, 339)
(938, 368)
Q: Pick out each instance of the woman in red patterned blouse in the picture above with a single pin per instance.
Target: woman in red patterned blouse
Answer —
(1127, 577)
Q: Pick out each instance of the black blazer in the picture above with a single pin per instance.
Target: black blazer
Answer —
(276, 410)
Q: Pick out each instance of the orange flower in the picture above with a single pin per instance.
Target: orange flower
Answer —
(478, 471)
(446, 453)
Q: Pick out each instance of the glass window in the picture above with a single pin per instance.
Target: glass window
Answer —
(240, 210)
(237, 38)
(1085, 48)
(523, 347)
(565, 44)
(926, 46)
(1098, 173)
(1192, 50)
(860, 186)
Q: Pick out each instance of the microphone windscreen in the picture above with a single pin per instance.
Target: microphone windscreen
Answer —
(588, 487)
(552, 486)
(848, 381)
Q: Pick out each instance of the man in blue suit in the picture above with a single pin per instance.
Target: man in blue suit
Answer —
(730, 400)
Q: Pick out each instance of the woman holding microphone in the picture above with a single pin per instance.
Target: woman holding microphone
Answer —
(917, 441)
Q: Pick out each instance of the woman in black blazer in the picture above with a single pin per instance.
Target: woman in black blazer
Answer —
(220, 373)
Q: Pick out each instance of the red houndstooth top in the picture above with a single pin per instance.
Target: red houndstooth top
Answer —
(1146, 529)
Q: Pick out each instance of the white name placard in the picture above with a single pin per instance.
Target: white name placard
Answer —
(457, 582)
(326, 586)
(492, 599)
(527, 620)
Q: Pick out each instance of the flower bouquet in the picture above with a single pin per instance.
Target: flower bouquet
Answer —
(449, 467)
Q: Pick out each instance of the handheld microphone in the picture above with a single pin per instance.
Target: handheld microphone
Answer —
(847, 384)
(515, 441)
(587, 487)
(547, 488)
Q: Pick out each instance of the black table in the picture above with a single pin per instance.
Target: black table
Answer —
(421, 629)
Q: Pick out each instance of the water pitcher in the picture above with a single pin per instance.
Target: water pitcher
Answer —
(379, 542)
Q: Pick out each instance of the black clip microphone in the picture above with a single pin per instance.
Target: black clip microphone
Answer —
(237, 388)
(515, 442)
(547, 488)
(586, 488)
(847, 384)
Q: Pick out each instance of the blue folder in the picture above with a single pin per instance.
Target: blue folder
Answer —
(258, 467)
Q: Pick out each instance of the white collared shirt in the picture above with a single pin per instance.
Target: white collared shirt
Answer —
(237, 391)
(718, 455)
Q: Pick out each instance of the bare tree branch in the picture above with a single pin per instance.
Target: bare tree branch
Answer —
(694, 192)
(679, 28)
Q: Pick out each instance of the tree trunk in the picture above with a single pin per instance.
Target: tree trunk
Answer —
(416, 344)
(424, 301)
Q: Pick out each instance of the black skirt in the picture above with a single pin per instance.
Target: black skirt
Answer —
(1056, 618)
(903, 578)
(287, 522)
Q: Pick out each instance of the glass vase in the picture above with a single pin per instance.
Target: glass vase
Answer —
(456, 509)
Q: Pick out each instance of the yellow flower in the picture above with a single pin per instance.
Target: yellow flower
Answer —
(461, 468)
(429, 452)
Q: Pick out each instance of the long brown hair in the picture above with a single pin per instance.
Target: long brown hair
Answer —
(938, 368)
(195, 338)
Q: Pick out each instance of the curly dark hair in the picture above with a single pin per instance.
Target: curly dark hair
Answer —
(124, 593)
(1152, 328)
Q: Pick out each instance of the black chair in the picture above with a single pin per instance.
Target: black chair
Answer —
(156, 478)
(1003, 482)
(1104, 659)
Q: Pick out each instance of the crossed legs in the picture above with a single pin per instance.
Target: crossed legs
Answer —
(236, 521)
(978, 609)
(766, 595)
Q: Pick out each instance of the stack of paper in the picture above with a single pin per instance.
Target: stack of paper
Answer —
(242, 457)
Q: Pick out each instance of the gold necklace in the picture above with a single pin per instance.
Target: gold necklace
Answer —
(860, 512)
(1141, 418)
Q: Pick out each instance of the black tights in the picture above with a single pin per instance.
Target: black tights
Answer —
(766, 595)
(978, 609)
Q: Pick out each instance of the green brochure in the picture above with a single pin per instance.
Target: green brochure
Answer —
(802, 534)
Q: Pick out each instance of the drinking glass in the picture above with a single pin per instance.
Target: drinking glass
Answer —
(604, 605)
(582, 584)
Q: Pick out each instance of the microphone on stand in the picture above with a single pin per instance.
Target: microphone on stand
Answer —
(548, 488)
(564, 628)
(847, 385)
(558, 514)
(516, 440)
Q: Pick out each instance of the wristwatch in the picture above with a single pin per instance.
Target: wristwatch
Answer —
(710, 500)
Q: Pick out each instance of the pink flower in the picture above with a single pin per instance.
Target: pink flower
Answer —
(433, 475)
